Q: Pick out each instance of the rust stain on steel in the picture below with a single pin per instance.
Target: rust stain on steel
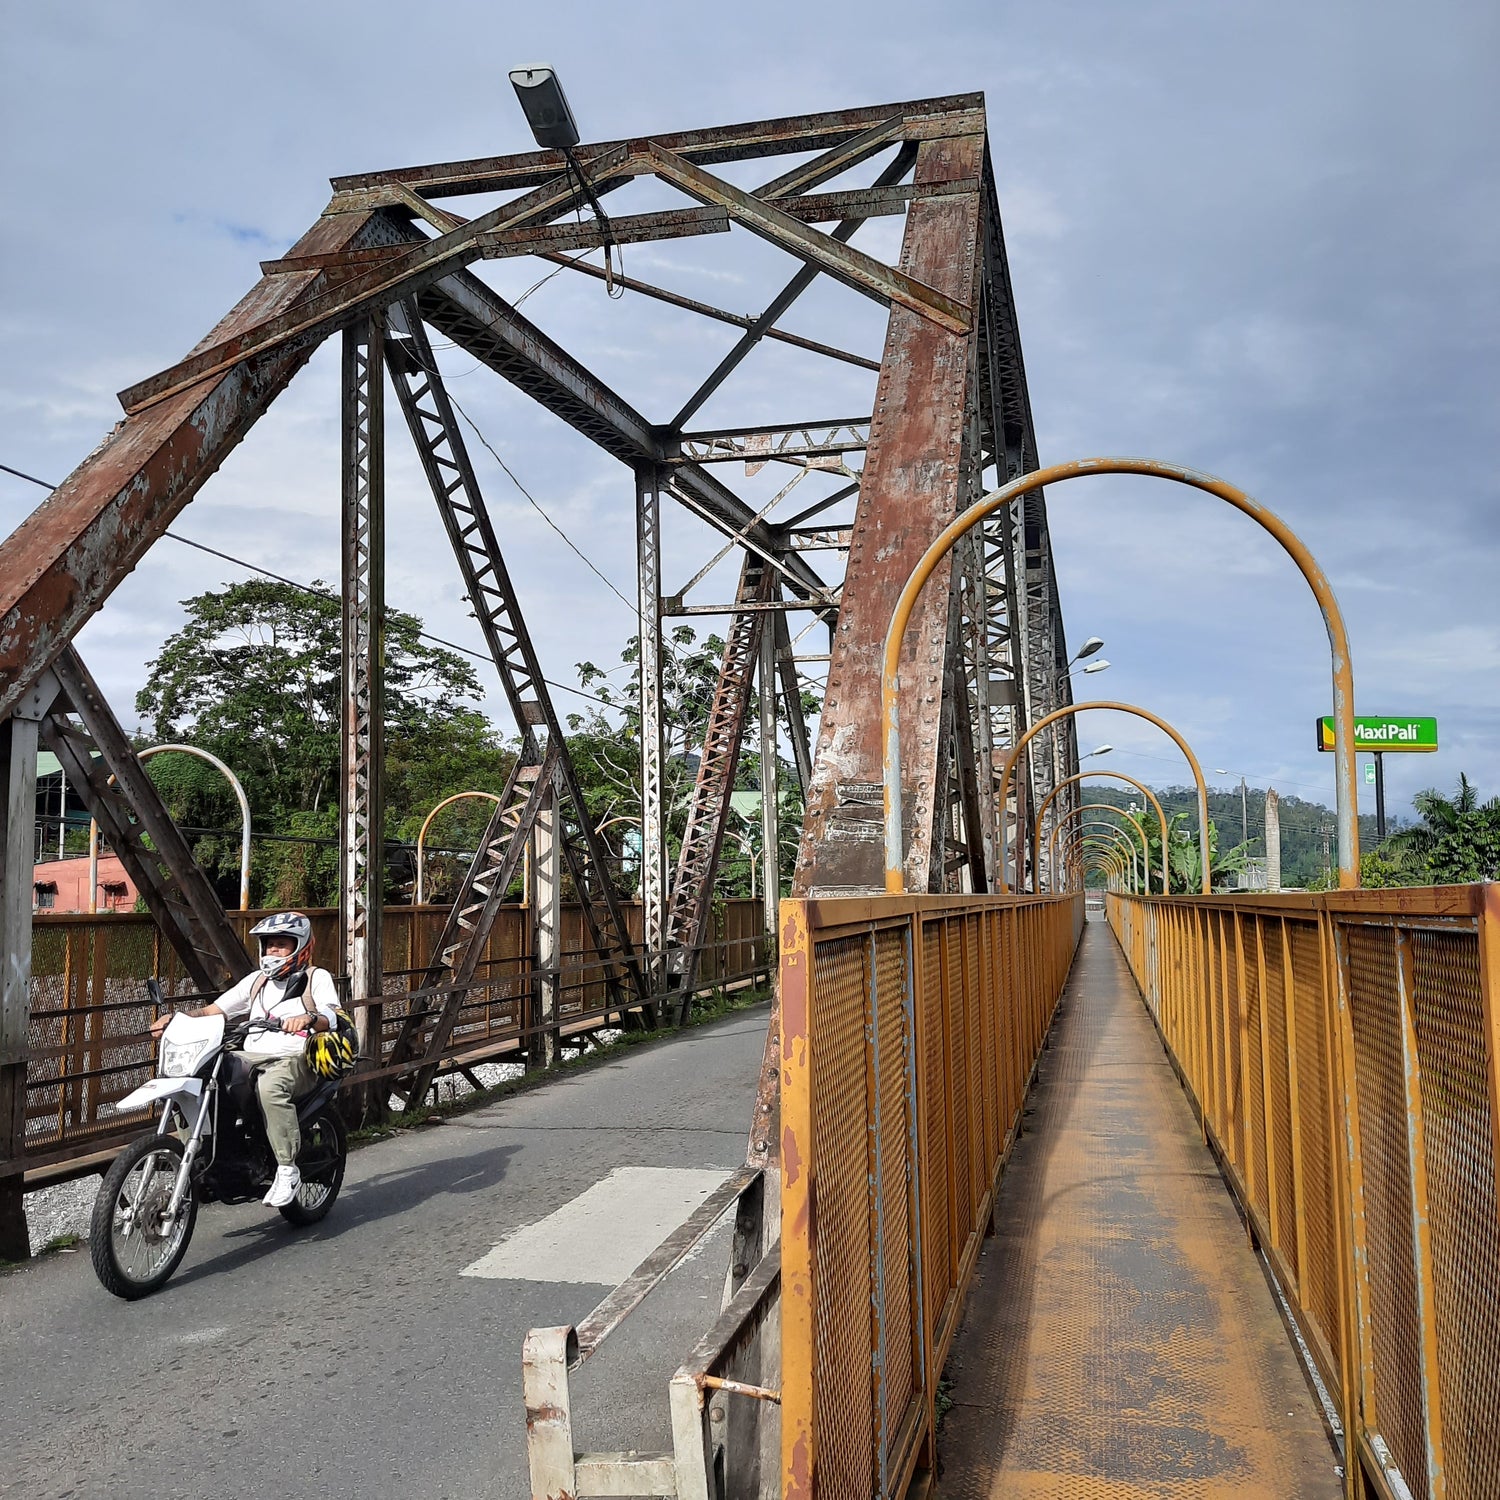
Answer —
(908, 495)
(63, 561)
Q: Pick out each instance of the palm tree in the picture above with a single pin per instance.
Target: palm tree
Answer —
(1458, 839)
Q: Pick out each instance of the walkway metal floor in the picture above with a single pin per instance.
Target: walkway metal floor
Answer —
(1119, 1338)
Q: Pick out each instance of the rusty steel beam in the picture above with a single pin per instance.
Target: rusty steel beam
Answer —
(763, 326)
(462, 308)
(718, 314)
(722, 143)
(362, 719)
(356, 295)
(692, 885)
(460, 947)
(909, 492)
(445, 460)
(863, 273)
(103, 769)
(681, 223)
(64, 560)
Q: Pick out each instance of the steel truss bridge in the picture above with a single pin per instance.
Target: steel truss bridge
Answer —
(907, 1029)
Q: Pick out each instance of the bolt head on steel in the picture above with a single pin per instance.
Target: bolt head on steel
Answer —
(545, 106)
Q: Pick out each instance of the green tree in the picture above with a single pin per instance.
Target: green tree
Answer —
(1458, 839)
(607, 751)
(254, 677)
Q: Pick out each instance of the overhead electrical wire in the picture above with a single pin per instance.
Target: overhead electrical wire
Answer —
(307, 588)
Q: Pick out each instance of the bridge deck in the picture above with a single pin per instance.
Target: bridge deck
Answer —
(1120, 1338)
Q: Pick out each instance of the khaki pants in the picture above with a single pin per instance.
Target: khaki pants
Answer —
(279, 1083)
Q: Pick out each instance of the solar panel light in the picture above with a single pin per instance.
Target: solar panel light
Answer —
(545, 106)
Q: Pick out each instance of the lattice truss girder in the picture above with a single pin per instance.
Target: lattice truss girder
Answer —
(950, 402)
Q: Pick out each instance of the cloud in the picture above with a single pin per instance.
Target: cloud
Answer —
(1260, 240)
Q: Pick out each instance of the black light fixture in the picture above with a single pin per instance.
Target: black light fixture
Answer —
(545, 106)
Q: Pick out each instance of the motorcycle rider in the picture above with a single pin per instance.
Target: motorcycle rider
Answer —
(285, 988)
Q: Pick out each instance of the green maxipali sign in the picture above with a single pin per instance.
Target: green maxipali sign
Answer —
(1394, 733)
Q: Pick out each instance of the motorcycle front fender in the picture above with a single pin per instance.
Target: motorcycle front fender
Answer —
(162, 1088)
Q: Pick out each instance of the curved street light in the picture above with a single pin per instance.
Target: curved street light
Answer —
(427, 823)
(1292, 544)
(239, 794)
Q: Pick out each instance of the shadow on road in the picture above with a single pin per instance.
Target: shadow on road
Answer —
(361, 1203)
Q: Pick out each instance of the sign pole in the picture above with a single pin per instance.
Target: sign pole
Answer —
(1380, 795)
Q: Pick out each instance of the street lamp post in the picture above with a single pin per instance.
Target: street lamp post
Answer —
(1244, 805)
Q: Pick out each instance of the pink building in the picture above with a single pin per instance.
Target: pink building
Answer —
(63, 885)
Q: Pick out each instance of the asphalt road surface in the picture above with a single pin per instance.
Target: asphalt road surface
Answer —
(379, 1353)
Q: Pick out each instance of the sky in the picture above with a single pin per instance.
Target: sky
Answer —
(1261, 239)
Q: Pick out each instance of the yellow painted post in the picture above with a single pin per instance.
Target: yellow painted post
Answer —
(798, 1430)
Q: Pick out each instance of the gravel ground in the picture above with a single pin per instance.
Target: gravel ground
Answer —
(66, 1207)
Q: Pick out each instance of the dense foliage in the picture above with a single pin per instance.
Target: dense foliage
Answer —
(253, 676)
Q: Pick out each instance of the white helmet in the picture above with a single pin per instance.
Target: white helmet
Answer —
(284, 924)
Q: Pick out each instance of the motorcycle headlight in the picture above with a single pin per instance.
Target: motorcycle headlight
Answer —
(178, 1059)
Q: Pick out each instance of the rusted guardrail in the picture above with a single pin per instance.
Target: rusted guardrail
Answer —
(1343, 1052)
(88, 1040)
(910, 1028)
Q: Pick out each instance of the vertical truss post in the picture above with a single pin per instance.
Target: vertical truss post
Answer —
(648, 488)
(911, 488)
(18, 747)
(361, 805)
(545, 898)
(770, 785)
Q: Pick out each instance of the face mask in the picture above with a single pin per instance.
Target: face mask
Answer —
(271, 963)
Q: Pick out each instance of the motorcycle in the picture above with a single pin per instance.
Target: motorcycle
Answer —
(209, 1146)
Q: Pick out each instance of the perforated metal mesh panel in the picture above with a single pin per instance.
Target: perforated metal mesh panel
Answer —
(1458, 1129)
(1280, 1144)
(844, 1225)
(859, 1368)
(1315, 1138)
(1395, 1330)
(1374, 1137)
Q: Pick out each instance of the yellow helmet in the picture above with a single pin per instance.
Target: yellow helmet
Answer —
(330, 1054)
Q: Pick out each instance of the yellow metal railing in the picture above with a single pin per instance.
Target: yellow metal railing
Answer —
(1342, 1052)
(910, 1027)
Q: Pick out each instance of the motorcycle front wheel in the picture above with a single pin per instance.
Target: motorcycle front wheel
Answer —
(133, 1244)
(325, 1145)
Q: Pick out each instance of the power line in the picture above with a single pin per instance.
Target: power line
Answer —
(307, 588)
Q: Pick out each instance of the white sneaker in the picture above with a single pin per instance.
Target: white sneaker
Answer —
(284, 1189)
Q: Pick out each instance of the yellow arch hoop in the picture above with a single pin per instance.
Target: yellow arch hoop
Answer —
(427, 823)
(1140, 786)
(1136, 823)
(1098, 835)
(1126, 708)
(1292, 544)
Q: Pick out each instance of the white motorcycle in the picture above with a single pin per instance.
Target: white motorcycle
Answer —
(209, 1146)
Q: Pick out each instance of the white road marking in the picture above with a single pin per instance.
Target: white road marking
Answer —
(605, 1232)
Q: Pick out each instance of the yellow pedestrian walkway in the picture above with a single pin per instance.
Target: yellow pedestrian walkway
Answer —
(1119, 1338)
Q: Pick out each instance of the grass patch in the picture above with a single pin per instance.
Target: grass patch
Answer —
(942, 1401)
(715, 1008)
